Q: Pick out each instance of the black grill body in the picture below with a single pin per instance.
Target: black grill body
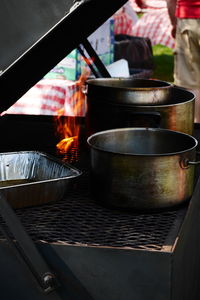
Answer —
(99, 253)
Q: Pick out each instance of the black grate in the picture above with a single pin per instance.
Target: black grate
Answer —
(78, 220)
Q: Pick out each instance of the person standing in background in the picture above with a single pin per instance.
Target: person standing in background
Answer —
(185, 19)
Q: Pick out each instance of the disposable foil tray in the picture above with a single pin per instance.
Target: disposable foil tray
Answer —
(29, 178)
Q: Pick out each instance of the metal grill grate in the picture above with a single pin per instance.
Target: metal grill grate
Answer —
(77, 220)
(70, 157)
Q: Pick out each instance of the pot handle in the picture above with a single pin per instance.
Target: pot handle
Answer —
(186, 162)
(141, 118)
(84, 88)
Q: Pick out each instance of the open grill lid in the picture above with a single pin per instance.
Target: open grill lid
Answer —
(36, 35)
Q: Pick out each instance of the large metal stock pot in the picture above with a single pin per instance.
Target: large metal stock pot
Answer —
(114, 103)
(130, 91)
(142, 168)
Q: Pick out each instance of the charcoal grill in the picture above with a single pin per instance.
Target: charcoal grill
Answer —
(94, 252)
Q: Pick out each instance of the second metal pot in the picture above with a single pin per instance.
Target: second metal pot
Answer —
(142, 168)
(109, 108)
(130, 91)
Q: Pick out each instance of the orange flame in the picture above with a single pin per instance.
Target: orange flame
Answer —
(68, 128)
(68, 131)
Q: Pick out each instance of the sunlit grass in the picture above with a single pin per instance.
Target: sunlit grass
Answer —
(164, 63)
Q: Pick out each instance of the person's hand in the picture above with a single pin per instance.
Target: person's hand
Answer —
(171, 6)
(173, 32)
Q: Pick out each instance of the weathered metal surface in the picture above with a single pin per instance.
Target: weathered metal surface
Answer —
(111, 103)
(21, 243)
(141, 168)
(130, 91)
(91, 273)
(25, 23)
(31, 178)
(186, 258)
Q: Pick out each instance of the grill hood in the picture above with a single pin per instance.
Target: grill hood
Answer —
(37, 34)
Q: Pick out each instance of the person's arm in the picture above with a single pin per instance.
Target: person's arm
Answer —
(171, 5)
(140, 3)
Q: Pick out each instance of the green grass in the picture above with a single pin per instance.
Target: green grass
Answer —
(164, 63)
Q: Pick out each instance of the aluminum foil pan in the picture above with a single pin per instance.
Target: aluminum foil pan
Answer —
(29, 178)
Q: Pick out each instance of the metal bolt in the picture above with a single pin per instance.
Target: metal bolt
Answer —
(48, 279)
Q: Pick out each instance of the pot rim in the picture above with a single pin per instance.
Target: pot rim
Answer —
(163, 84)
(115, 89)
(141, 154)
(153, 105)
(129, 105)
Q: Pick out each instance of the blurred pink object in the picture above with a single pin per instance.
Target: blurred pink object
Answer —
(156, 26)
(145, 5)
(50, 97)
(124, 19)
(123, 24)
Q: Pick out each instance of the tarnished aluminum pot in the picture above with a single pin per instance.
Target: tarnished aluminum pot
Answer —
(142, 168)
(130, 90)
(112, 107)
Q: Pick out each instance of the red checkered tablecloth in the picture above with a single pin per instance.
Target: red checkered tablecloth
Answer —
(51, 97)
(156, 26)
(123, 24)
